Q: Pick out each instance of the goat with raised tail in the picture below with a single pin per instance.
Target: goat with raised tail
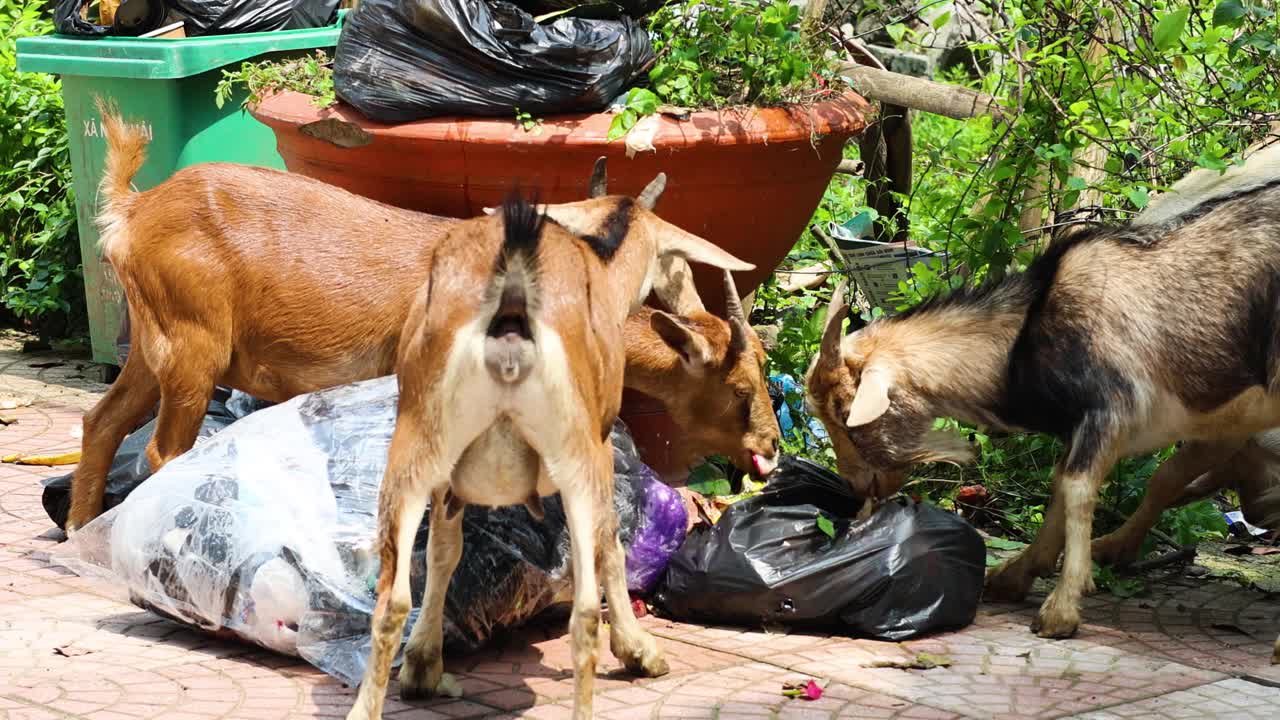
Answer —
(1118, 340)
(277, 285)
(510, 368)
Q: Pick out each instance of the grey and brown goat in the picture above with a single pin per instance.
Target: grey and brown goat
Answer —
(1118, 340)
(510, 368)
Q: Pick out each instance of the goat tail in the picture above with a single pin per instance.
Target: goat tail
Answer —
(510, 349)
(126, 151)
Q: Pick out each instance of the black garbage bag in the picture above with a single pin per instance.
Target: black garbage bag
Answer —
(404, 60)
(907, 570)
(211, 17)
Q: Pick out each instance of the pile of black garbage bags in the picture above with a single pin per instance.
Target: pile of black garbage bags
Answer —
(265, 530)
(404, 60)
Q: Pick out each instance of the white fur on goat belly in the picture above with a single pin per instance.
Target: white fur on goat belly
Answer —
(495, 469)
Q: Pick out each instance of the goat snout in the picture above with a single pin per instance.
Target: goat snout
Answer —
(764, 465)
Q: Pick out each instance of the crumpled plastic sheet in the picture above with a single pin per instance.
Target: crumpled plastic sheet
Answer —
(908, 569)
(404, 60)
(267, 528)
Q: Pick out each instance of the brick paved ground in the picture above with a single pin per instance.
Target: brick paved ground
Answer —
(74, 648)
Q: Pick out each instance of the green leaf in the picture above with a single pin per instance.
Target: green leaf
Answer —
(999, 543)
(712, 487)
(826, 526)
(745, 25)
(619, 126)
(1138, 196)
(941, 20)
(1169, 29)
(642, 102)
(1229, 13)
(896, 31)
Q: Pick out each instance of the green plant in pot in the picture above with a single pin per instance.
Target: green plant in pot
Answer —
(715, 54)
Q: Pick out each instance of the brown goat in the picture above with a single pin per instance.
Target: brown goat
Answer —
(1118, 340)
(510, 369)
(238, 275)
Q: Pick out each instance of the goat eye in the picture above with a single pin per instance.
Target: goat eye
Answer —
(742, 393)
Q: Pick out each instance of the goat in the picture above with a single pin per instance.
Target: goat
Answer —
(1197, 469)
(236, 275)
(510, 368)
(1118, 340)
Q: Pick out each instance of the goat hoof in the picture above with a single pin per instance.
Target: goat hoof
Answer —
(1007, 585)
(648, 664)
(639, 654)
(420, 678)
(1055, 624)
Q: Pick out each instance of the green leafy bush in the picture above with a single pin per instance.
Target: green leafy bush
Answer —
(723, 53)
(311, 75)
(39, 249)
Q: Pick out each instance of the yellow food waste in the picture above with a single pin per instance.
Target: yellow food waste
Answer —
(67, 458)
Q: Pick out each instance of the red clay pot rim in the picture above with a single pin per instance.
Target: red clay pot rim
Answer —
(839, 114)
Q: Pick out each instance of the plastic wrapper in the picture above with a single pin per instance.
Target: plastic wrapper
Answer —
(788, 404)
(404, 60)
(906, 570)
(266, 531)
(214, 17)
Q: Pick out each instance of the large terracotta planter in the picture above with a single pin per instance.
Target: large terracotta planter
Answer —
(746, 180)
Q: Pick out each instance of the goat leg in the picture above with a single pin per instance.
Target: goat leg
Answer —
(582, 489)
(1011, 580)
(400, 508)
(186, 386)
(629, 642)
(1192, 460)
(423, 653)
(117, 414)
(1086, 466)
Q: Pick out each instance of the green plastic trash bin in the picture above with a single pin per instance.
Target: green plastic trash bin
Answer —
(169, 86)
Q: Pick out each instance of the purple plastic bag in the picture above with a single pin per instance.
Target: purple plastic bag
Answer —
(660, 533)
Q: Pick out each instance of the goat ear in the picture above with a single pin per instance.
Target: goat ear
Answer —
(674, 286)
(692, 348)
(829, 351)
(674, 241)
(872, 399)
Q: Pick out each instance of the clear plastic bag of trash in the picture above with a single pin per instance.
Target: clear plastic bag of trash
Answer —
(266, 530)
(200, 17)
(404, 60)
(908, 569)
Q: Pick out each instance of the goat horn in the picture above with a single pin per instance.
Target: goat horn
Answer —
(831, 334)
(649, 197)
(736, 316)
(599, 179)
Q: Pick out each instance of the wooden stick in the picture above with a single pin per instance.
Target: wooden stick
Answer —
(920, 94)
(1186, 553)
